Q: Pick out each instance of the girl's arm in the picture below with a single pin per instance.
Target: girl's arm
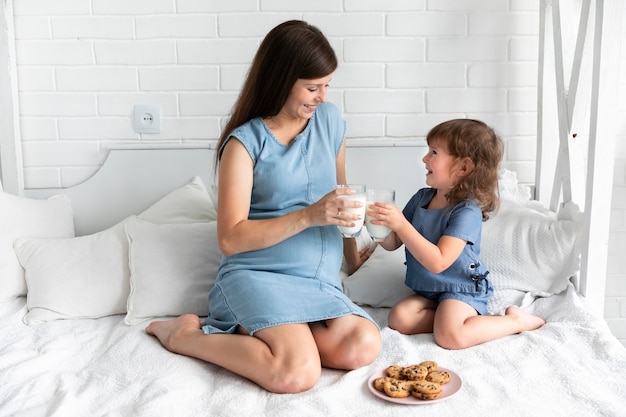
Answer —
(236, 233)
(435, 258)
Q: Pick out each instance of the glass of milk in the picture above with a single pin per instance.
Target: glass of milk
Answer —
(359, 195)
(379, 195)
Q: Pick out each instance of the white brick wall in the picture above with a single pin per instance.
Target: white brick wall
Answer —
(405, 65)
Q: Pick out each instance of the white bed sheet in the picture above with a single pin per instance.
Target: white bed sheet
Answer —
(103, 367)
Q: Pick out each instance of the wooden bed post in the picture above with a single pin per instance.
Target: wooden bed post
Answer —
(580, 165)
(607, 43)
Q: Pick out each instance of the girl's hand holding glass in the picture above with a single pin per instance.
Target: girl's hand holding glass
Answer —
(378, 232)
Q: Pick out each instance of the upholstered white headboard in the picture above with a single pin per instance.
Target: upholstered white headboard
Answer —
(129, 181)
(133, 178)
(398, 166)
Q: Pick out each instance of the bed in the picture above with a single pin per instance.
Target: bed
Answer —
(137, 241)
(84, 269)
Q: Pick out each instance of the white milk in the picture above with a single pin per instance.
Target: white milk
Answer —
(376, 231)
(358, 224)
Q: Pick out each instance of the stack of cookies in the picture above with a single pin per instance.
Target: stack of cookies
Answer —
(422, 381)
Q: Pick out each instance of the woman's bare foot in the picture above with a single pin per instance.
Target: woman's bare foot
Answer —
(526, 321)
(170, 331)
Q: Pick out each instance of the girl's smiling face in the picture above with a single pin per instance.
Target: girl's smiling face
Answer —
(439, 166)
(304, 97)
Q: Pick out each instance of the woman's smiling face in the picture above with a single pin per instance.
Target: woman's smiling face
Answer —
(304, 97)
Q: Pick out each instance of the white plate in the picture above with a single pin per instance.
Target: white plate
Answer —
(448, 389)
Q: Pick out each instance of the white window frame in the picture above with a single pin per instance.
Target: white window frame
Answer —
(11, 165)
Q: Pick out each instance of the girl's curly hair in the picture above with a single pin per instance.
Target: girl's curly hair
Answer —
(473, 139)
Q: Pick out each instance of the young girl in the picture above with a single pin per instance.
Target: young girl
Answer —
(441, 230)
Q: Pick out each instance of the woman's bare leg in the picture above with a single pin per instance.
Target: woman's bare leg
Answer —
(458, 326)
(282, 359)
(347, 342)
(413, 315)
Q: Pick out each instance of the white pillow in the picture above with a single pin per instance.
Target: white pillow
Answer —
(72, 263)
(188, 204)
(81, 277)
(379, 282)
(25, 217)
(528, 249)
(172, 269)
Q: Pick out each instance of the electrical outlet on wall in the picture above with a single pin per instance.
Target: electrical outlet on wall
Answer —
(147, 118)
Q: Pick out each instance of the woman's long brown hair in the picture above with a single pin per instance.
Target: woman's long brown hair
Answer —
(292, 50)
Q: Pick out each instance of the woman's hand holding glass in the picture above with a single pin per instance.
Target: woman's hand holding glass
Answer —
(347, 211)
(337, 207)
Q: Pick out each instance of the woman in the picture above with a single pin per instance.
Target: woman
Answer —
(277, 311)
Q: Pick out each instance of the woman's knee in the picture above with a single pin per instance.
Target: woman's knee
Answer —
(348, 342)
(361, 348)
(291, 363)
(370, 345)
(292, 378)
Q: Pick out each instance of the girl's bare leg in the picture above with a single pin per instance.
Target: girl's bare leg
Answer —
(413, 315)
(281, 359)
(458, 326)
(347, 342)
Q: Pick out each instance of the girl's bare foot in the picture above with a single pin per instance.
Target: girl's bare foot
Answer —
(526, 321)
(169, 331)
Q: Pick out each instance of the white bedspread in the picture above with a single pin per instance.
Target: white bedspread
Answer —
(571, 366)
